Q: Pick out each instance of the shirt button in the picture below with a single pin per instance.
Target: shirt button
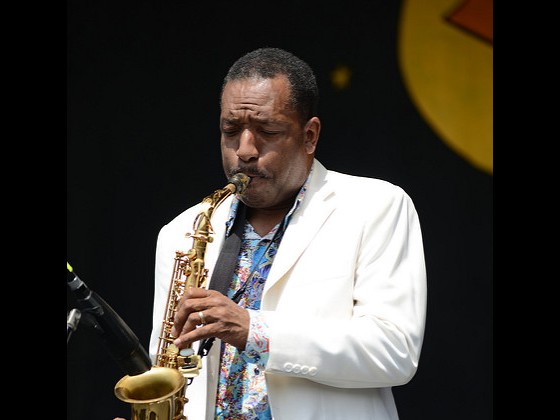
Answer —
(288, 366)
(297, 368)
(313, 371)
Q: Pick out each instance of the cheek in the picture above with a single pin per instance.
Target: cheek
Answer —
(228, 156)
(228, 149)
(225, 144)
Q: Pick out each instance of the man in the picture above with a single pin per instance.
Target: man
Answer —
(325, 310)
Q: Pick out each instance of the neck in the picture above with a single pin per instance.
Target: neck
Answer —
(263, 220)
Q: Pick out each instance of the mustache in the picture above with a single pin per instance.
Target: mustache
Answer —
(249, 171)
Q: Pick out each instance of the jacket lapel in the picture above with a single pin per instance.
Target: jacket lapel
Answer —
(306, 221)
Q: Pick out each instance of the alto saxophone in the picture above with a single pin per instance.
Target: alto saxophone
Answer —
(159, 394)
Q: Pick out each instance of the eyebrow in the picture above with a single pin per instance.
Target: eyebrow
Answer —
(228, 120)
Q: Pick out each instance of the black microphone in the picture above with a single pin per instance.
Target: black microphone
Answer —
(122, 343)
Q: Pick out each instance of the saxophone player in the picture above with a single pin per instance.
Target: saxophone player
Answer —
(323, 311)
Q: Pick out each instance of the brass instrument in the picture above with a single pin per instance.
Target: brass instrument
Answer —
(159, 393)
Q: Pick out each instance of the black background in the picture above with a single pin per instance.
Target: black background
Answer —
(143, 80)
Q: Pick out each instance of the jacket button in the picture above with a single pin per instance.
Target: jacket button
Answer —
(305, 369)
(288, 366)
(312, 371)
(297, 368)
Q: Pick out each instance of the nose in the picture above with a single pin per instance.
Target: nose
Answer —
(247, 149)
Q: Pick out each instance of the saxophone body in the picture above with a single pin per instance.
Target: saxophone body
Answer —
(159, 394)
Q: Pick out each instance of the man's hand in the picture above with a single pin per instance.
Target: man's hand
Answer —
(205, 313)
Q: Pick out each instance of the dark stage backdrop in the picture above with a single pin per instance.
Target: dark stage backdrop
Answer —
(143, 144)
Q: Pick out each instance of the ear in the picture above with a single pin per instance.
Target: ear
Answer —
(311, 131)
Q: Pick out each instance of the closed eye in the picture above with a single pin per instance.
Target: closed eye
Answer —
(269, 132)
(230, 132)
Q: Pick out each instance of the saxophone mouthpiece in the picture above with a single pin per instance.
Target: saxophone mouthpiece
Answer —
(241, 182)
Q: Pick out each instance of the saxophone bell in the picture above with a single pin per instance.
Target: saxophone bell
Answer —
(156, 394)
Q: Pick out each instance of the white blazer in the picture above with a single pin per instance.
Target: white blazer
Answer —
(345, 301)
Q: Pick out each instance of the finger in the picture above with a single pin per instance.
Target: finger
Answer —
(193, 300)
(202, 317)
(197, 292)
(200, 331)
(193, 321)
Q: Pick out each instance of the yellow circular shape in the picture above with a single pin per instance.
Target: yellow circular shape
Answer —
(448, 73)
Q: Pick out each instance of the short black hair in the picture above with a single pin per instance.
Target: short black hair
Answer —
(270, 62)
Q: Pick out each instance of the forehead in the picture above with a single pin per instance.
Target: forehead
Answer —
(256, 92)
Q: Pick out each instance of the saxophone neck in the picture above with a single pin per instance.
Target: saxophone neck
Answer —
(202, 226)
(236, 185)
